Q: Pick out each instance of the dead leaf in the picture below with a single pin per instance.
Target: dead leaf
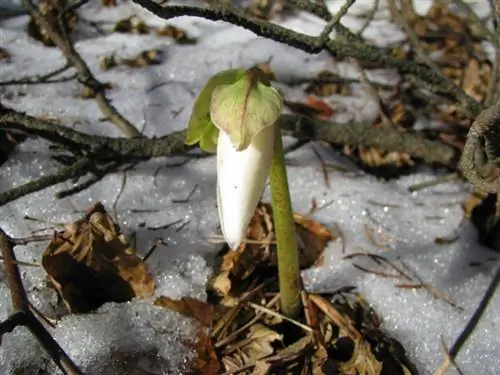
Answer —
(133, 25)
(179, 35)
(265, 9)
(256, 346)
(52, 10)
(362, 362)
(261, 368)
(260, 252)
(189, 307)
(322, 109)
(327, 83)
(206, 361)
(91, 263)
(145, 58)
(108, 62)
(109, 3)
(314, 237)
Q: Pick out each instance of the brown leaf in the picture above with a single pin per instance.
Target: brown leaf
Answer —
(206, 361)
(109, 3)
(176, 33)
(362, 362)
(374, 157)
(190, 307)
(314, 237)
(327, 83)
(52, 10)
(90, 263)
(260, 252)
(133, 25)
(256, 346)
(323, 111)
(145, 58)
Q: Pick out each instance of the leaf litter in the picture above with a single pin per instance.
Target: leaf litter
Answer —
(243, 332)
(91, 263)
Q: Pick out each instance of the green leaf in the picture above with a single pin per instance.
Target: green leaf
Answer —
(200, 128)
(244, 108)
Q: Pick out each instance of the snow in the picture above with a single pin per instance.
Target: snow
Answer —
(137, 337)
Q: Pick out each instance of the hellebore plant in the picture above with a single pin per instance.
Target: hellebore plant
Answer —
(237, 114)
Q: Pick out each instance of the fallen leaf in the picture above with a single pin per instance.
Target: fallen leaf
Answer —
(259, 252)
(261, 368)
(322, 109)
(256, 346)
(90, 263)
(362, 362)
(145, 58)
(327, 83)
(206, 361)
(133, 25)
(189, 307)
(109, 3)
(179, 35)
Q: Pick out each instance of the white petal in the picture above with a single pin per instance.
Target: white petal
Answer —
(241, 179)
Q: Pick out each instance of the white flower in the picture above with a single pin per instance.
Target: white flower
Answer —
(241, 179)
(246, 114)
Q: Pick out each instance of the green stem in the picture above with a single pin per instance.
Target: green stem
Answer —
(288, 256)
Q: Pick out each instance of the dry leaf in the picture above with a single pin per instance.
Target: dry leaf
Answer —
(176, 33)
(362, 362)
(257, 346)
(206, 361)
(190, 307)
(133, 25)
(260, 252)
(52, 10)
(327, 83)
(145, 58)
(108, 62)
(261, 368)
(109, 3)
(322, 109)
(91, 263)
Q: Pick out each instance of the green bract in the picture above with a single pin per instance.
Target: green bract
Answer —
(244, 108)
(200, 128)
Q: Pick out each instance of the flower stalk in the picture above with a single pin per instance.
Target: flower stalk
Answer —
(237, 113)
(288, 256)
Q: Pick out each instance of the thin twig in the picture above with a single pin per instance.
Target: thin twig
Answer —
(472, 323)
(24, 316)
(84, 73)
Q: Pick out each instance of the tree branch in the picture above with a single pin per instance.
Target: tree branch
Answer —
(24, 316)
(352, 47)
(84, 73)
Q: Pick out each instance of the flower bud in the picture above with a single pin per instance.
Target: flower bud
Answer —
(241, 179)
